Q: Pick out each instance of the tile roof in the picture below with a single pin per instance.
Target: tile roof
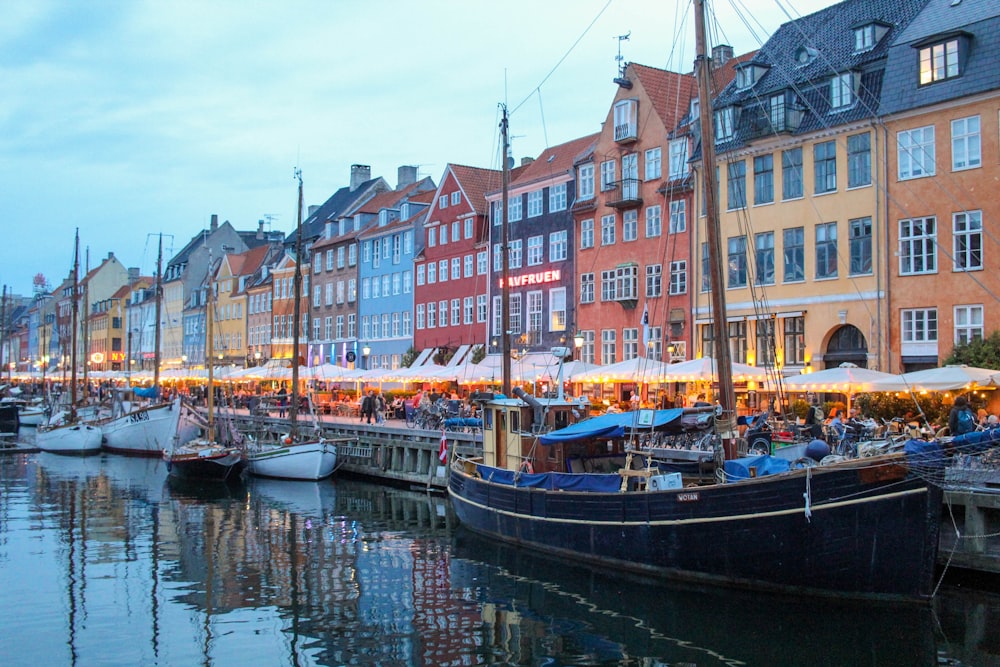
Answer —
(555, 160)
(476, 182)
(671, 93)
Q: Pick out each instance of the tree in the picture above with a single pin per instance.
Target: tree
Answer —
(409, 357)
(980, 352)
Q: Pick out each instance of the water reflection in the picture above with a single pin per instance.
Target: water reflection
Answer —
(103, 560)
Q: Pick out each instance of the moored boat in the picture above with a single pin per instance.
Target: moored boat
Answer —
(73, 437)
(143, 431)
(300, 459)
(205, 459)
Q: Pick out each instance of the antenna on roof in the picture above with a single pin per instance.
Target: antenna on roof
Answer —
(620, 59)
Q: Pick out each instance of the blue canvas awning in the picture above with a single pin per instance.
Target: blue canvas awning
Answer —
(611, 426)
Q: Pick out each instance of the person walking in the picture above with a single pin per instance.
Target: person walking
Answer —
(961, 419)
(379, 408)
(368, 407)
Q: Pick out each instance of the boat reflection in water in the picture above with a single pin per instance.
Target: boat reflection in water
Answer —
(121, 565)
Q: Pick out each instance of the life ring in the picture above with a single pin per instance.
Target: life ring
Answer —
(527, 467)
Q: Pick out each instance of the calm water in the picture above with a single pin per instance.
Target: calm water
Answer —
(103, 561)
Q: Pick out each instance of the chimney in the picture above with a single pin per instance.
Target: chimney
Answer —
(405, 175)
(525, 161)
(359, 174)
(111, 256)
(260, 230)
(133, 273)
(312, 209)
(721, 54)
(215, 223)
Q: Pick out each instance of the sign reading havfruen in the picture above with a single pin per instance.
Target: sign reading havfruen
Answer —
(540, 278)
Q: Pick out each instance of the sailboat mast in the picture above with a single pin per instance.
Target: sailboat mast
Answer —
(3, 334)
(722, 353)
(210, 349)
(74, 319)
(159, 305)
(293, 409)
(504, 259)
(85, 329)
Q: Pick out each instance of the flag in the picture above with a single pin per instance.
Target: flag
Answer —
(443, 449)
(645, 327)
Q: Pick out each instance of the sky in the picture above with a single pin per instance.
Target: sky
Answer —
(126, 119)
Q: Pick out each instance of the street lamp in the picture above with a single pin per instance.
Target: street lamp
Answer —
(365, 351)
(256, 358)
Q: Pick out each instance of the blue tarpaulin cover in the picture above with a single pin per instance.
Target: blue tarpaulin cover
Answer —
(552, 481)
(738, 469)
(974, 442)
(609, 426)
(146, 392)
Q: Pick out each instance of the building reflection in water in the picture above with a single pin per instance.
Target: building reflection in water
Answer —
(129, 567)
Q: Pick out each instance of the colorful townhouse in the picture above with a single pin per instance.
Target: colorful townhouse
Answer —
(802, 200)
(541, 262)
(231, 328)
(632, 261)
(940, 105)
(388, 247)
(451, 288)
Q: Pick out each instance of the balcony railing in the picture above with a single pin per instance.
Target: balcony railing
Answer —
(626, 193)
(626, 132)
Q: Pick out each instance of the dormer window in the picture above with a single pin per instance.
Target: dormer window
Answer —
(939, 60)
(695, 109)
(749, 74)
(868, 35)
(626, 120)
(804, 55)
(842, 91)
(725, 121)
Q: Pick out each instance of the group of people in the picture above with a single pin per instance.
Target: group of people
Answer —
(373, 407)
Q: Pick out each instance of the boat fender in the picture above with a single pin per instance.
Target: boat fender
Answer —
(287, 439)
(527, 467)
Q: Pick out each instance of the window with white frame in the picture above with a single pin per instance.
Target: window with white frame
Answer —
(939, 62)
(340, 326)
(328, 328)
(968, 324)
(456, 198)
(535, 203)
(654, 280)
(966, 149)
(706, 270)
(608, 170)
(443, 271)
(860, 239)
(329, 259)
(497, 258)
(586, 233)
(352, 325)
(625, 119)
(431, 237)
(534, 317)
(352, 290)
(794, 243)
(497, 315)
(826, 250)
(791, 174)
(397, 248)
(859, 160)
(407, 324)
(609, 346)
(630, 225)
(443, 201)
(340, 291)
(514, 209)
(763, 179)
(654, 221)
(608, 285)
(515, 254)
(316, 325)
(736, 262)
(967, 232)
(456, 230)
(825, 167)
(678, 277)
(724, 124)
(432, 270)
(443, 234)
(585, 182)
(352, 254)
(736, 184)
(317, 265)
(468, 224)
(678, 158)
(366, 328)
(456, 268)
(366, 285)
(535, 250)
(420, 278)
(515, 313)
(627, 281)
(764, 258)
(456, 312)
(919, 325)
(557, 309)
(467, 310)
(316, 296)
(396, 282)
(366, 251)
(557, 197)
(481, 308)
(395, 325)
(586, 288)
(558, 246)
(608, 229)
(340, 257)
(917, 246)
(329, 294)
(630, 343)
(377, 287)
(653, 163)
(678, 217)
(842, 90)
(467, 270)
(420, 317)
(432, 315)
(481, 265)
(385, 285)
(915, 152)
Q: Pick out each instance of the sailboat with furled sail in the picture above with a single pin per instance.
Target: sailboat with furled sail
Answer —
(294, 456)
(206, 457)
(858, 528)
(67, 433)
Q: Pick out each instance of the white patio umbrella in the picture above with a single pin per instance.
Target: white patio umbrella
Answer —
(705, 369)
(638, 369)
(945, 378)
(847, 379)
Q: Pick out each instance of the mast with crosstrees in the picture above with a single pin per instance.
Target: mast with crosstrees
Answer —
(293, 409)
(156, 331)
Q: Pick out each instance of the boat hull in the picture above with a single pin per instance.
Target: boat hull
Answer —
(70, 439)
(305, 460)
(205, 462)
(143, 432)
(32, 416)
(863, 535)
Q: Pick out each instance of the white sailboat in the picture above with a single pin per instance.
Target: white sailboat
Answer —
(205, 457)
(66, 433)
(295, 457)
(144, 430)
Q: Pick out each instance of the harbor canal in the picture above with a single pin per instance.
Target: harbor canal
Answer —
(105, 561)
